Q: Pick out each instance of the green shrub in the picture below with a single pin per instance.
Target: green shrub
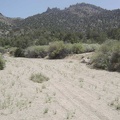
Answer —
(2, 63)
(68, 48)
(60, 50)
(90, 47)
(2, 50)
(12, 51)
(36, 52)
(77, 48)
(108, 56)
(57, 50)
(100, 60)
(19, 52)
(39, 78)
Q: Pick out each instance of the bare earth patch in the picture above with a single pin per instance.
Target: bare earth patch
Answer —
(73, 91)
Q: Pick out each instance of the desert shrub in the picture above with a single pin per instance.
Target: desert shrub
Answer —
(57, 50)
(68, 48)
(90, 47)
(2, 63)
(77, 48)
(12, 51)
(2, 50)
(108, 56)
(118, 107)
(36, 52)
(100, 60)
(39, 78)
(116, 104)
(19, 52)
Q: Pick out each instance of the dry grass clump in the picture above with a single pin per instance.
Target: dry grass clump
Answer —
(116, 104)
(39, 78)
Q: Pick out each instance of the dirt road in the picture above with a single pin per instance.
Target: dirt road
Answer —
(74, 91)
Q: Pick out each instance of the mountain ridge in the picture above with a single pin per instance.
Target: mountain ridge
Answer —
(79, 18)
(72, 18)
(75, 9)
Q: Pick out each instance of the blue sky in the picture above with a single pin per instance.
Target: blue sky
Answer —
(25, 8)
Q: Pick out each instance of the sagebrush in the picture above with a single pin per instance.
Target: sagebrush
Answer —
(36, 52)
(57, 50)
(39, 78)
(108, 56)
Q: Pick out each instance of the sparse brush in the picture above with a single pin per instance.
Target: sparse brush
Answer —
(118, 107)
(116, 104)
(46, 110)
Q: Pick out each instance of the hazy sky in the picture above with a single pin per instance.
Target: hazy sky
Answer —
(25, 8)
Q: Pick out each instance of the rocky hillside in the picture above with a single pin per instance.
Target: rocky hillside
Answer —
(77, 23)
(79, 17)
(7, 23)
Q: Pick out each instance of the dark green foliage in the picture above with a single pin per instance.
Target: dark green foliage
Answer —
(108, 56)
(44, 37)
(72, 37)
(95, 36)
(2, 63)
(2, 50)
(114, 34)
(114, 62)
(22, 42)
(19, 52)
(36, 52)
(57, 50)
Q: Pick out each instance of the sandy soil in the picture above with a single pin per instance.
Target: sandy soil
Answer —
(74, 91)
